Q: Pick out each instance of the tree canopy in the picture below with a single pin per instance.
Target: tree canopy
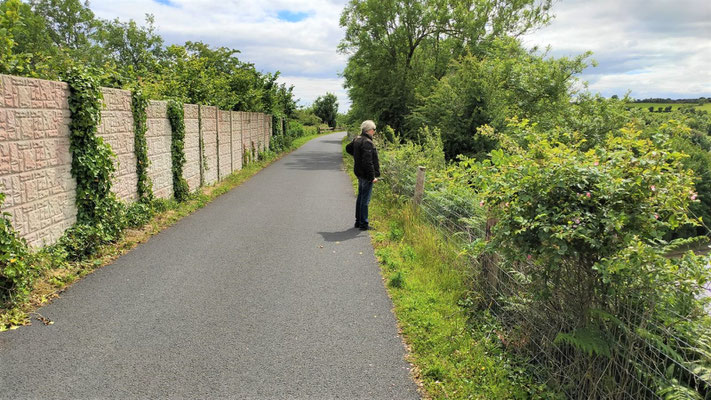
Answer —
(45, 38)
(399, 49)
(326, 108)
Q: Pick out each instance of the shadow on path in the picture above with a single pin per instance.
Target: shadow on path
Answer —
(315, 161)
(342, 236)
(332, 141)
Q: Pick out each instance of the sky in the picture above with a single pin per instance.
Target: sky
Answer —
(652, 48)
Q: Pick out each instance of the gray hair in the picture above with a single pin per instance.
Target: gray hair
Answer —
(366, 126)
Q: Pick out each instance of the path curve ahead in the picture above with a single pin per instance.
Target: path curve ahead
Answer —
(267, 292)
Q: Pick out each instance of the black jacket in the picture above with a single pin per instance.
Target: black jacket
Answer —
(365, 156)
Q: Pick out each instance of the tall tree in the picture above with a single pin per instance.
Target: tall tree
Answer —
(70, 22)
(399, 48)
(326, 108)
(136, 49)
(25, 45)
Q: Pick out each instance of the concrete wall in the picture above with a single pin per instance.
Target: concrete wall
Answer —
(237, 161)
(159, 138)
(35, 161)
(116, 129)
(191, 169)
(224, 134)
(249, 133)
(208, 130)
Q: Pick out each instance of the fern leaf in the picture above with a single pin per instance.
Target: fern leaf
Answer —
(675, 391)
(590, 340)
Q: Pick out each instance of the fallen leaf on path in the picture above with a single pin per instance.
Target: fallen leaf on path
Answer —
(43, 319)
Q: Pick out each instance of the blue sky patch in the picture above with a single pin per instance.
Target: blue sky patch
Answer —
(291, 16)
(166, 3)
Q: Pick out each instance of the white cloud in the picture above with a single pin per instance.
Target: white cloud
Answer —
(306, 89)
(653, 48)
(306, 47)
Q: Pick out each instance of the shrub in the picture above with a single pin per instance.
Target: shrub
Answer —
(15, 266)
(82, 240)
(583, 284)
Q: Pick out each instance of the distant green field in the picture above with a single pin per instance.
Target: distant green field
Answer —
(675, 106)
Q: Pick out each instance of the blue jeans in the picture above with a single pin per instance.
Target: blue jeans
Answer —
(365, 189)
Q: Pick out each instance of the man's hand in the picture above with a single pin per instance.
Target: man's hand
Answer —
(375, 180)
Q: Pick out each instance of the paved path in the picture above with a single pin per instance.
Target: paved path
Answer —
(238, 300)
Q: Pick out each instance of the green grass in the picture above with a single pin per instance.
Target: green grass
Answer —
(675, 106)
(456, 354)
(56, 276)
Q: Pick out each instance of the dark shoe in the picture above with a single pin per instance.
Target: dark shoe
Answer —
(357, 225)
(366, 228)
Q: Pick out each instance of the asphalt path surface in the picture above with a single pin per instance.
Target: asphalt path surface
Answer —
(266, 293)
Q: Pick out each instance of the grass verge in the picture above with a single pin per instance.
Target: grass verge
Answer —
(457, 354)
(55, 274)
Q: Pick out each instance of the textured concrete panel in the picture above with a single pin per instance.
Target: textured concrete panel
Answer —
(268, 136)
(225, 143)
(248, 135)
(117, 130)
(208, 130)
(236, 140)
(35, 162)
(159, 139)
(262, 131)
(191, 170)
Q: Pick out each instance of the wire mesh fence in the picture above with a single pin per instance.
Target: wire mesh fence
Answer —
(629, 353)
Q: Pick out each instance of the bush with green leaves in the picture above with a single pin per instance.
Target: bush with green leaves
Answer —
(283, 142)
(583, 282)
(448, 201)
(576, 267)
(688, 137)
(15, 266)
(505, 82)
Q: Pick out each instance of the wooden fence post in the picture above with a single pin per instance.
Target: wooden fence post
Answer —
(420, 185)
(489, 262)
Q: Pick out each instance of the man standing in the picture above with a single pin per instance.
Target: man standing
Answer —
(366, 167)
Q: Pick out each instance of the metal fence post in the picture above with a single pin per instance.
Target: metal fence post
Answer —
(420, 185)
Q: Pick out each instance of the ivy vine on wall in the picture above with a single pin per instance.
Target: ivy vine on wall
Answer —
(176, 116)
(139, 104)
(92, 159)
